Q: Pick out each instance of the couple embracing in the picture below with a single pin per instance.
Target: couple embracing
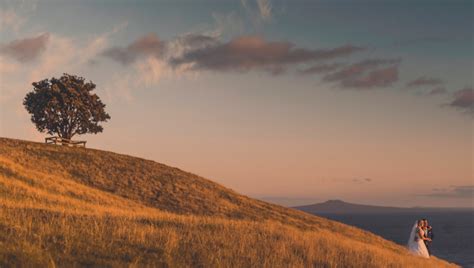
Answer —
(420, 239)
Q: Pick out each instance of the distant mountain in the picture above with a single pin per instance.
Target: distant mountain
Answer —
(341, 207)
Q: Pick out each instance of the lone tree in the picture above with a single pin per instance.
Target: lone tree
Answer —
(65, 106)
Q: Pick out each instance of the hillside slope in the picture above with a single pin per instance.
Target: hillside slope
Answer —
(61, 206)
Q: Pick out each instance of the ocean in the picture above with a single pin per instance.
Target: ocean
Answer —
(453, 231)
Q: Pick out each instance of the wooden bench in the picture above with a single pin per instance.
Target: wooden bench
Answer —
(65, 142)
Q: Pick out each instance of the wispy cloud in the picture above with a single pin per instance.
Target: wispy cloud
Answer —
(341, 180)
(362, 180)
(437, 91)
(463, 99)
(464, 191)
(368, 73)
(227, 24)
(258, 13)
(425, 81)
(377, 78)
(23, 61)
(265, 9)
(70, 54)
(15, 14)
(148, 45)
(320, 68)
(9, 19)
(26, 49)
(190, 41)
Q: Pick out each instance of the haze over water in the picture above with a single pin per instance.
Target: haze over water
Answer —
(454, 231)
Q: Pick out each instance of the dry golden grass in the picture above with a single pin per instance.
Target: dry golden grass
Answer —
(66, 207)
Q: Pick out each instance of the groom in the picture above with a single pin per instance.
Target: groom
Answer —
(428, 233)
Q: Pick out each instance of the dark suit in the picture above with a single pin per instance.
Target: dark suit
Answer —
(429, 233)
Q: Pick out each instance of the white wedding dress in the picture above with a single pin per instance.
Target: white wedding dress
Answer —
(417, 246)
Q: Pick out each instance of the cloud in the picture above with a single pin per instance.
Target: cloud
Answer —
(70, 54)
(227, 24)
(54, 59)
(148, 45)
(425, 81)
(253, 52)
(465, 191)
(14, 14)
(61, 54)
(143, 74)
(150, 71)
(265, 8)
(377, 78)
(359, 68)
(193, 40)
(260, 11)
(437, 91)
(9, 19)
(366, 74)
(148, 59)
(464, 99)
(66, 54)
(188, 42)
(99, 43)
(320, 68)
(363, 180)
(26, 49)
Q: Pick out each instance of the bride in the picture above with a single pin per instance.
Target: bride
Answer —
(416, 244)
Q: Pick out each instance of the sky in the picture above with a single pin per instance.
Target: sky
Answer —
(293, 102)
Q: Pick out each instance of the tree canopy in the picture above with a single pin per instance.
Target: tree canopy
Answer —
(65, 106)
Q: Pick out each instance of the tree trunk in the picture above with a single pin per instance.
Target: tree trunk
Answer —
(66, 137)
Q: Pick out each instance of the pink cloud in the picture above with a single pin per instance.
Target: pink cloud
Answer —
(425, 81)
(366, 74)
(376, 78)
(437, 91)
(26, 49)
(464, 99)
(320, 68)
(148, 45)
(253, 52)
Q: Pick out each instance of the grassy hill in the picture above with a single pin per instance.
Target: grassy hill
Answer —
(62, 206)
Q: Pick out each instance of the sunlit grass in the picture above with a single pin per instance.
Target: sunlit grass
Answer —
(65, 206)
